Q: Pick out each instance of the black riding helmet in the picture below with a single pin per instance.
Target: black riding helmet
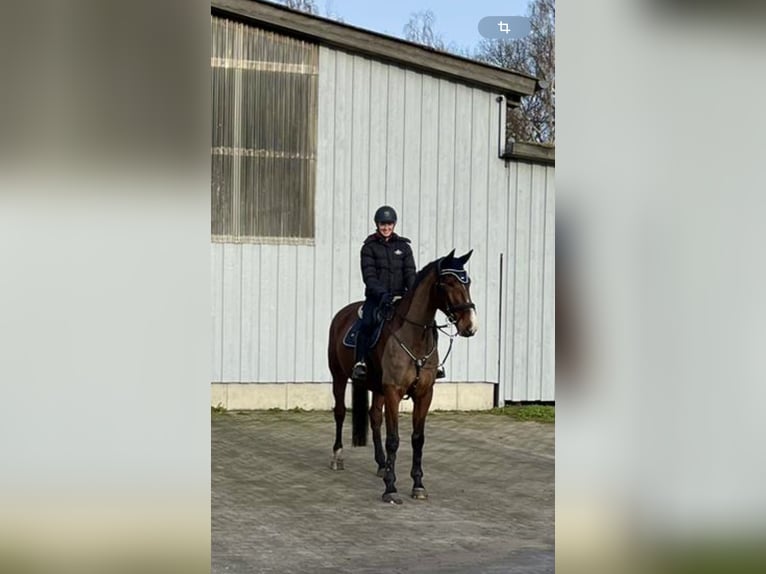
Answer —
(385, 214)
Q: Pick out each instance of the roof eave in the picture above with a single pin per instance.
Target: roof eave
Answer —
(544, 154)
(337, 35)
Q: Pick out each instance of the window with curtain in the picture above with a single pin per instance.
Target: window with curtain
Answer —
(264, 135)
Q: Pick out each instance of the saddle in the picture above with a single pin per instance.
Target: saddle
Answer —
(349, 339)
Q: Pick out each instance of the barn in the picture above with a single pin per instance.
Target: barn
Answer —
(315, 124)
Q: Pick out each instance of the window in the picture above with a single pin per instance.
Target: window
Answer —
(263, 135)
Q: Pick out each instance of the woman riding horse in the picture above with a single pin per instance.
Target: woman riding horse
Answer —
(403, 363)
(388, 271)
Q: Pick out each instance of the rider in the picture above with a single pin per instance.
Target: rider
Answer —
(388, 270)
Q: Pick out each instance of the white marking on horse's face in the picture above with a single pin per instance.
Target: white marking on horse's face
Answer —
(473, 323)
(468, 323)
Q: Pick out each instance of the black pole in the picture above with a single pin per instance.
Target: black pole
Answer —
(499, 332)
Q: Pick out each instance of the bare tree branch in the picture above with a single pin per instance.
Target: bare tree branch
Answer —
(420, 29)
(534, 119)
(308, 6)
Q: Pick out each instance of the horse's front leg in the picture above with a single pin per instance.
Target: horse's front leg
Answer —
(339, 391)
(376, 420)
(419, 413)
(392, 398)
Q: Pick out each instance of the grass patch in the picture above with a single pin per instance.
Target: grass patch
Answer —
(218, 409)
(710, 557)
(538, 413)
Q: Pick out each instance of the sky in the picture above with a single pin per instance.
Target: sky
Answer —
(456, 20)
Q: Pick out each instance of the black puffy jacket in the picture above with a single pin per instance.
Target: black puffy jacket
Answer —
(387, 266)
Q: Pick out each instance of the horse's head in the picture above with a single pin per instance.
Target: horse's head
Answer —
(453, 287)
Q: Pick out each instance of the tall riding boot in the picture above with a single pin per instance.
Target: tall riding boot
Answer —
(360, 368)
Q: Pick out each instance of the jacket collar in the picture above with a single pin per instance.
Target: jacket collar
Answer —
(379, 237)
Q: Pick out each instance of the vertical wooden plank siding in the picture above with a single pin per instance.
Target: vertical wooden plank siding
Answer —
(511, 263)
(378, 135)
(527, 330)
(484, 287)
(216, 297)
(340, 216)
(394, 154)
(231, 285)
(521, 283)
(459, 235)
(252, 328)
(429, 171)
(492, 324)
(287, 279)
(321, 286)
(549, 292)
(305, 348)
(535, 290)
(270, 284)
(409, 216)
(426, 146)
(444, 198)
(360, 217)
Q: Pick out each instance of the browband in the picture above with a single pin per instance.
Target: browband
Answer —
(460, 274)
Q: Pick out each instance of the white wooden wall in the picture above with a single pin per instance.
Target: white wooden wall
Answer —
(428, 147)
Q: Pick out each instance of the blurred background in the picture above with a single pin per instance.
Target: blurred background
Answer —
(659, 280)
(104, 227)
(104, 288)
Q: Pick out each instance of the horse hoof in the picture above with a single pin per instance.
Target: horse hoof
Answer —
(336, 465)
(419, 493)
(392, 498)
(382, 472)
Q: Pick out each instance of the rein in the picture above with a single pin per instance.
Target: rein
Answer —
(420, 362)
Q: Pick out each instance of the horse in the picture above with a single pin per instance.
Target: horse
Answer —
(402, 363)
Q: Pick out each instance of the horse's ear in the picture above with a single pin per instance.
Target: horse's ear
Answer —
(450, 255)
(465, 257)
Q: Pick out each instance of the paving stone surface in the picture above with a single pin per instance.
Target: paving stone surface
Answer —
(278, 507)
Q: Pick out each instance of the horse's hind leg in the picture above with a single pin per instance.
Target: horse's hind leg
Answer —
(339, 392)
(419, 412)
(376, 420)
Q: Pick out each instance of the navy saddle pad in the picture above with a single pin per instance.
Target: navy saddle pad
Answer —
(349, 340)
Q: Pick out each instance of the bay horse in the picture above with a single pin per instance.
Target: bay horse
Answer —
(402, 363)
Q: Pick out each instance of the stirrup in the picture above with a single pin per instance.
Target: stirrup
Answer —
(359, 372)
(440, 374)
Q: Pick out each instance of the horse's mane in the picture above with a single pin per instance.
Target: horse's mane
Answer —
(419, 278)
(423, 273)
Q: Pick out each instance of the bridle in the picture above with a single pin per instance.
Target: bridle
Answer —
(449, 310)
(462, 276)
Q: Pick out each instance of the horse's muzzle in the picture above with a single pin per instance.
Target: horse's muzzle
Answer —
(471, 325)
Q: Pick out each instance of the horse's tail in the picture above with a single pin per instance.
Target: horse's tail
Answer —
(360, 404)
